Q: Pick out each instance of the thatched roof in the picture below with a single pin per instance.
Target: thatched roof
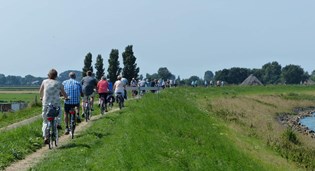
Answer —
(251, 80)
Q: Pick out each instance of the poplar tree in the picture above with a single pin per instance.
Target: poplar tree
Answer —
(99, 66)
(87, 64)
(130, 69)
(113, 65)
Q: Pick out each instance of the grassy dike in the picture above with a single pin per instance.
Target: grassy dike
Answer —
(188, 129)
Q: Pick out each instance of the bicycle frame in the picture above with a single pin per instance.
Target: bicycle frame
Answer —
(52, 131)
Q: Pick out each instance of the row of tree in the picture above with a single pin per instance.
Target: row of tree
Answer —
(129, 71)
(270, 73)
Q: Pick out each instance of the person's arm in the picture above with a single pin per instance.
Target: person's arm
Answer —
(41, 91)
(63, 93)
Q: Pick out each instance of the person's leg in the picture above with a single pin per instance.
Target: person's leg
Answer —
(66, 114)
(78, 112)
(59, 118)
(84, 99)
(44, 124)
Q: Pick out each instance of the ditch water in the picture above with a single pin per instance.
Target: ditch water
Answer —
(309, 122)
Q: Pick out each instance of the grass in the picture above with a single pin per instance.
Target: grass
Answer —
(17, 143)
(8, 118)
(168, 131)
(227, 128)
(11, 96)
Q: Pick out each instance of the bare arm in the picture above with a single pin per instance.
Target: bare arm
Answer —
(41, 91)
(64, 94)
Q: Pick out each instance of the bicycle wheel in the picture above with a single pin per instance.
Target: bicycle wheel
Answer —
(102, 107)
(55, 133)
(49, 136)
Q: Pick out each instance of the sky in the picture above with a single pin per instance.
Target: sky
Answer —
(188, 37)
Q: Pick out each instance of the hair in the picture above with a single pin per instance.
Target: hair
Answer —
(103, 77)
(52, 74)
(118, 77)
(72, 75)
(89, 73)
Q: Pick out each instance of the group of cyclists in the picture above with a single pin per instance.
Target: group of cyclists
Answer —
(72, 91)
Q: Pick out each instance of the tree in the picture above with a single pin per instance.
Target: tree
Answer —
(271, 73)
(208, 76)
(258, 73)
(293, 74)
(164, 73)
(87, 64)
(152, 77)
(2, 79)
(312, 76)
(99, 66)
(113, 65)
(130, 69)
(237, 75)
(222, 75)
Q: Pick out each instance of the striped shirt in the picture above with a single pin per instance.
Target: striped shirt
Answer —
(73, 89)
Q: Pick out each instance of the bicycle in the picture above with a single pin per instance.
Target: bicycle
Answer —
(102, 105)
(87, 109)
(73, 112)
(110, 101)
(51, 129)
(120, 100)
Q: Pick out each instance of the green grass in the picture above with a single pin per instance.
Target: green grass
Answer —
(8, 118)
(183, 129)
(17, 143)
(25, 97)
(159, 132)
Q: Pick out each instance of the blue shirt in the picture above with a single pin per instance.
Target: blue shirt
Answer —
(73, 89)
(110, 86)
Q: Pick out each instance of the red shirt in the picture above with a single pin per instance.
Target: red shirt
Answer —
(102, 86)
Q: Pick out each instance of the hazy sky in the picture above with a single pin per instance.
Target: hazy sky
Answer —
(188, 37)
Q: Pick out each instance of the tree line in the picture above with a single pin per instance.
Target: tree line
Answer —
(270, 73)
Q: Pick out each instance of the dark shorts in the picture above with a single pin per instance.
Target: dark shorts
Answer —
(104, 95)
(70, 106)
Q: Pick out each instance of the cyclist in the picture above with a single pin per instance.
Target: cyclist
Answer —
(133, 84)
(102, 89)
(50, 91)
(88, 85)
(119, 87)
(74, 89)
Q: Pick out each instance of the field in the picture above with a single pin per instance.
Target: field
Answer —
(226, 128)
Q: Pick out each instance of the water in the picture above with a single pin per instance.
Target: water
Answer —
(309, 122)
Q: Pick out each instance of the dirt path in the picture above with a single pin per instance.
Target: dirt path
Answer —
(34, 158)
(21, 123)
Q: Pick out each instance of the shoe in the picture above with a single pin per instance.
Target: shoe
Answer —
(67, 131)
(59, 127)
(46, 141)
